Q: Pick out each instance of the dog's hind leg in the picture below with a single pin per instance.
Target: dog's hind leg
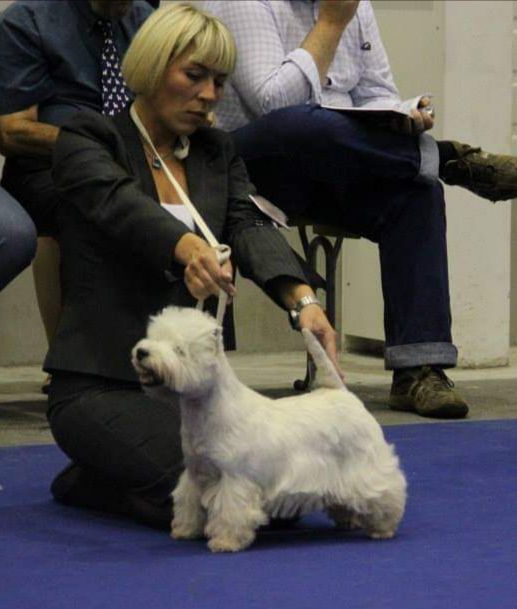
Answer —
(234, 513)
(344, 518)
(189, 515)
(383, 516)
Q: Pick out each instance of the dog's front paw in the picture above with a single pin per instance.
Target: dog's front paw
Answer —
(185, 531)
(232, 542)
(379, 535)
(226, 544)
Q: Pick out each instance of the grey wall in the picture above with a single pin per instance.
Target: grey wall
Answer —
(513, 289)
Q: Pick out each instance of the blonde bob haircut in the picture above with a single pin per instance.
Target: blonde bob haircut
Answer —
(166, 35)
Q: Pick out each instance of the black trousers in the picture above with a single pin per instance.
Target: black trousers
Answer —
(123, 438)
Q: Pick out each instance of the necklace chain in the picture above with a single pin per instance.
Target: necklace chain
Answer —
(155, 161)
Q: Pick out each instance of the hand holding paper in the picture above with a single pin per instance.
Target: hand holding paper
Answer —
(419, 115)
(412, 116)
(422, 116)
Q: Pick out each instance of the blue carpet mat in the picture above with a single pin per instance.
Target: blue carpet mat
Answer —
(456, 548)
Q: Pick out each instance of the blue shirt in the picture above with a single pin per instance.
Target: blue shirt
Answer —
(50, 52)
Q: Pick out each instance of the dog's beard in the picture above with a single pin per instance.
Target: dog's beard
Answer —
(153, 373)
(156, 381)
(158, 374)
(149, 379)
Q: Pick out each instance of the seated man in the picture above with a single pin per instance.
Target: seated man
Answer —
(381, 183)
(55, 58)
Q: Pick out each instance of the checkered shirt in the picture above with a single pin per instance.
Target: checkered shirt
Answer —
(273, 71)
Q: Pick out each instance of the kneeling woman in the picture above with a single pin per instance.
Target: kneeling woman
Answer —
(129, 248)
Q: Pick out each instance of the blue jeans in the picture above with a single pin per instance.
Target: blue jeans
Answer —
(17, 238)
(376, 183)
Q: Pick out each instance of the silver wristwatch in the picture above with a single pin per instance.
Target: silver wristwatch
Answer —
(294, 314)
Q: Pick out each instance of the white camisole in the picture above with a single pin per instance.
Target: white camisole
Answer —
(182, 213)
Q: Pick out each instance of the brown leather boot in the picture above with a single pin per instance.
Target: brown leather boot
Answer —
(491, 176)
(428, 392)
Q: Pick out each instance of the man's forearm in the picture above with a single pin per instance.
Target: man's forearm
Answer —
(322, 41)
(28, 137)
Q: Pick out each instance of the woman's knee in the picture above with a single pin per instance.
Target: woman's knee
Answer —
(119, 435)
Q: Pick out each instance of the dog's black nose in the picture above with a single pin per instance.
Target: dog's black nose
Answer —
(141, 354)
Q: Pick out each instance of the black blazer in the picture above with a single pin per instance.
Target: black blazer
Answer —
(117, 241)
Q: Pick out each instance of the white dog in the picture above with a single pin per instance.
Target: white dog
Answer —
(249, 458)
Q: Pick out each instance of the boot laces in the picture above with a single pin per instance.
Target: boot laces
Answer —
(477, 172)
(430, 379)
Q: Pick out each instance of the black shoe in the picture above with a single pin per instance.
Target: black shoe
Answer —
(155, 515)
(81, 487)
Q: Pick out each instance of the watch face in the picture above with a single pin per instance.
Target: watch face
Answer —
(294, 319)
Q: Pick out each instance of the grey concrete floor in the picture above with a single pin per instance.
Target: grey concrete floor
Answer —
(491, 393)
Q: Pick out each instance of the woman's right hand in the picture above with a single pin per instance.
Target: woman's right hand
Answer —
(204, 276)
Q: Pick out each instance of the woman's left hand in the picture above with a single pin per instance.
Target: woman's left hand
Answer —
(314, 319)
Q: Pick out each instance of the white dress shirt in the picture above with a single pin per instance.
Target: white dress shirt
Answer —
(274, 72)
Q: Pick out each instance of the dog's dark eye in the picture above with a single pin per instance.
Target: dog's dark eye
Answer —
(178, 351)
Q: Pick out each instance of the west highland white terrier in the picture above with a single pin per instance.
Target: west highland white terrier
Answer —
(249, 458)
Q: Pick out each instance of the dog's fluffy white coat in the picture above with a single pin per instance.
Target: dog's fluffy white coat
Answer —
(249, 458)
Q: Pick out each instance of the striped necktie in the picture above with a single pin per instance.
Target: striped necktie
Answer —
(113, 88)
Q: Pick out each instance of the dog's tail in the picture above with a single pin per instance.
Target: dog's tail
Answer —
(327, 374)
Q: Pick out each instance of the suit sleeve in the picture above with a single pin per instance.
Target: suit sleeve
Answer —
(90, 173)
(261, 252)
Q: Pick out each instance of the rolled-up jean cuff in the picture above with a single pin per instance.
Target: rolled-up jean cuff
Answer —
(444, 355)
(429, 159)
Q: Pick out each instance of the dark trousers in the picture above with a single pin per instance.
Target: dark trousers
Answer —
(113, 430)
(334, 169)
(17, 238)
(28, 180)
